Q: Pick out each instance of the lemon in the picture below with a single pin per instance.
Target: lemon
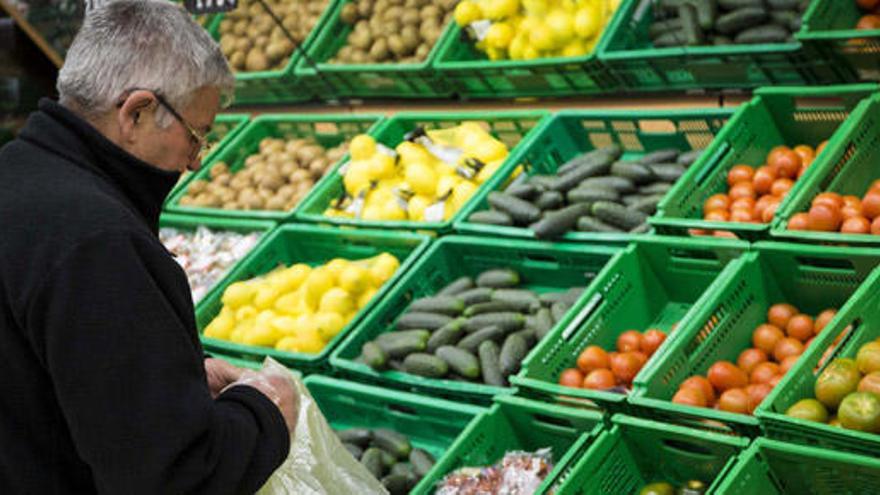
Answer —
(317, 283)
(561, 25)
(220, 327)
(357, 177)
(336, 300)
(490, 150)
(305, 323)
(362, 147)
(500, 9)
(238, 294)
(461, 194)
(287, 344)
(411, 152)
(392, 211)
(575, 48)
(587, 21)
(261, 335)
(285, 325)
(446, 183)
(245, 313)
(383, 268)
(309, 341)
(467, 12)
(289, 304)
(366, 297)
(335, 267)
(499, 35)
(381, 166)
(416, 207)
(293, 277)
(535, 7)
(517, 45)
(265, 297)
(530, 53)
(373, 213)
(421, 178)
(542, 37)
(354, 279)
(329, 324)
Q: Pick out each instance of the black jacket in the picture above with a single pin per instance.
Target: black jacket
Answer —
(102, 382)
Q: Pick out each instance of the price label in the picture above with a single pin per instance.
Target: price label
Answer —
(209, 6)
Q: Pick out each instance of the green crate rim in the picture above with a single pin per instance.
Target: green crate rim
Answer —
(494, 184)
(241, 140)
(302, 360)
(311, 201)
(808, 33)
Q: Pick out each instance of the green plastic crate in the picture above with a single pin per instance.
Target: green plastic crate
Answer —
(829, 28)
(573, 132)
(851, 165)
(653, 283)
(635, 452)
(188, 222)
(328, 130)
(811, 278)
(517, 424)
(640, 67)
(431, 424)
(543, 266)
(775, 116)
(769, 467)
(513, 128)
(275, 86)
(289, 244)
(862, 317)
(392, 79)
(226, 127)
(472, 75)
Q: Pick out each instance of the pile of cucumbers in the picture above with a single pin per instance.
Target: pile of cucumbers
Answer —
(592, 192)
(389, 456)
(725, 22)
(476, 330)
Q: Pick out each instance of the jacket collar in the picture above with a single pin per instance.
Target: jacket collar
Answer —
(60, 131)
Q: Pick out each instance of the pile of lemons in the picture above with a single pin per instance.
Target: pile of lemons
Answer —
(531, 29)
(300, 308)
(424, 179)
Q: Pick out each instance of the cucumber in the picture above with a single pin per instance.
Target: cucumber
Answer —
(648, 205)
(591, 195)
(740, 19)
(784, 18)
(427, 365)
(548, 298)
(507, 321)
(590, 224)
(520, 300)
(472, 342)
(783, 4)
(670, 39)
(549, 200)
(604, 155)
(690, 25)
(491, 217)
(542, 181)
(619, 184)
(557, 224)
(543, 322)
(707, 12)
(738, 4)
(460, 361)
(396, 365)
(476, 296)
(656, 188)
(667, 172)
(767, 33)
(360, 437)
(618, 216)
(488, 307)
(489, 364)
(558, 311)
(419, 320)
(513, 352)
(396, 484)
(354, 450)
(641, 229)
(421, 462)
(528, 335)
(574, 177)
(403, 469)
(520, 211)
(632, 199)
(374, 356)
(388, 459)
(524, 191)
(392, 442)
(448, 335)
(635, 172)
(501, 278)
(398, 344)
(688, 157)
(372, 460)
(456, 287)
(659, 156)
(660, 28)
(444, 305)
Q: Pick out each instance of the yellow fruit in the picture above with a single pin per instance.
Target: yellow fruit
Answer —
(411, 152)
(381, 166)
(287, 344)
(373, 213)
(490, 150)
(357, 177)
(285, 325)
(336, 300)
(393, 211)
(329, 324)
(499, 35)
(416, 207)
(220, 327)
(238, 295)
(421, 178)
(535, 7)
(261, 335)
(446, 184)
(289, 304)
(354, 279)
(587, 21)
(310, 342)
(500, 9)
(517, 45)
(467, 12)
(383, 268)
(265, 297)
(366, 297)
(461, 194)
(496, 53)
(575, 48)
(245, 313)
(317, 283)
(530, 53)
(542, 37)
(488, 171)
(305, 323)
(335, 267)
(561, 25)
(362, 147)
(292, 278)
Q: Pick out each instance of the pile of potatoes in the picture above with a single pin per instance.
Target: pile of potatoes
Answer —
(401, 31)
(251, 39)
(275, 178)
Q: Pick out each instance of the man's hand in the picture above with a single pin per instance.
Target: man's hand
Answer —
(278, 388)
(220, 374)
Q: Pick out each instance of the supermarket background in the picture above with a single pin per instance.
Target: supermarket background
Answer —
(542, 235)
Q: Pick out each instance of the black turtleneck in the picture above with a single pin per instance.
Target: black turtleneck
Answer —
(103, 387)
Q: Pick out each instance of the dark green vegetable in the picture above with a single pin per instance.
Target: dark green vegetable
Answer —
(739, 19)
(498, 279)
(447, 305)
(427, 365)
(513, 352)
(590, 224)
(489, 307)
(489, 364)
(656, 188)
(688, 158)
(472, 342)
(690, 25)
(767, 33)
(606, 155)
(420, 320)
(491, 217)
(549, 200)
(619, 184)
(648, 205)
(374, 356)
(660, 28)
(574, 177)
(520, 300)
(372, 460)
(354, 450)
(558, 311)
(528, 335)
(360, 437)
(667, 172)
(592, 194)
(557, 224)
(476, 296)
(543, 321)
(617, 215)
(421, 462)
(635, 172)
(508, 321)
(738, 4)
(456, 287)
(520, 211)
(400, 344)
(672, 38)
(460, 361)
(523, 191)
(396, 484)
(448, 335)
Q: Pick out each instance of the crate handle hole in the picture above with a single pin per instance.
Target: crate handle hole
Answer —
(657, 126)
(554, 423)
(846, 335)
(687, 448)
(805, 103)
(401, 409)
(543, 259)
(838, 264)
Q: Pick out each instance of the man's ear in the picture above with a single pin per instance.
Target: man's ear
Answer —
(131, 113)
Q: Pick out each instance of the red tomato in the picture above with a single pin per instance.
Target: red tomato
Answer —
(756, 393)
(734, 400)
(690, 396)
(630, 340)
(741, 215)
(724, 375)
(626, 366)
(571, 377)
(807, 153)
(740, 173)
(763, 179)
(870, 21)
(716, 202)
(599, 379)
(651, 341)
(703, 385)
(787, 347)
(742, 190)
(781, 187)
(717, 216)
(750, 358)
(824, 319)
(779, 314)
(743, 204)
(824, 218)
(787, 363)
(851, 210)
(770, 211)
(592, 358)
(856, 225)
(875, 226)
(798, 221)
(766, 337)
(762, 204)
(871, 204)
(764, 372)
(800, 327)
(828, 198)
(785, 161)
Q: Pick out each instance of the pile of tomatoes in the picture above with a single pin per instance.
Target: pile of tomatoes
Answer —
(598, 369)
(831, 212)
(871, 19)
(754, 194)
(741, 387)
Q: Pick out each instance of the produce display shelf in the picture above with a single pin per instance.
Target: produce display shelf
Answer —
(652, 283)
(829, 29)
(312, 245)
(543, 266)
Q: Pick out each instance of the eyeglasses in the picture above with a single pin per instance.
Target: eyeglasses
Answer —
(203, 147)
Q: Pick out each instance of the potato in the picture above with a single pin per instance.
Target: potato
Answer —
(349, 13)
(197, 186)
(360, 40)
(431, 11)
(411, 17)
(276, 51)
(365, 8)
(422, 51)
(379, 50)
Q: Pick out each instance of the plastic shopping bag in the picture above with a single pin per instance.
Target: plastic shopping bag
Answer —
(318, 464)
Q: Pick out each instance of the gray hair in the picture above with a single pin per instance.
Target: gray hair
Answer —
(150, 44)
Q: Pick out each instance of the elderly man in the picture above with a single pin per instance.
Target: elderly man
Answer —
(104, 386)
